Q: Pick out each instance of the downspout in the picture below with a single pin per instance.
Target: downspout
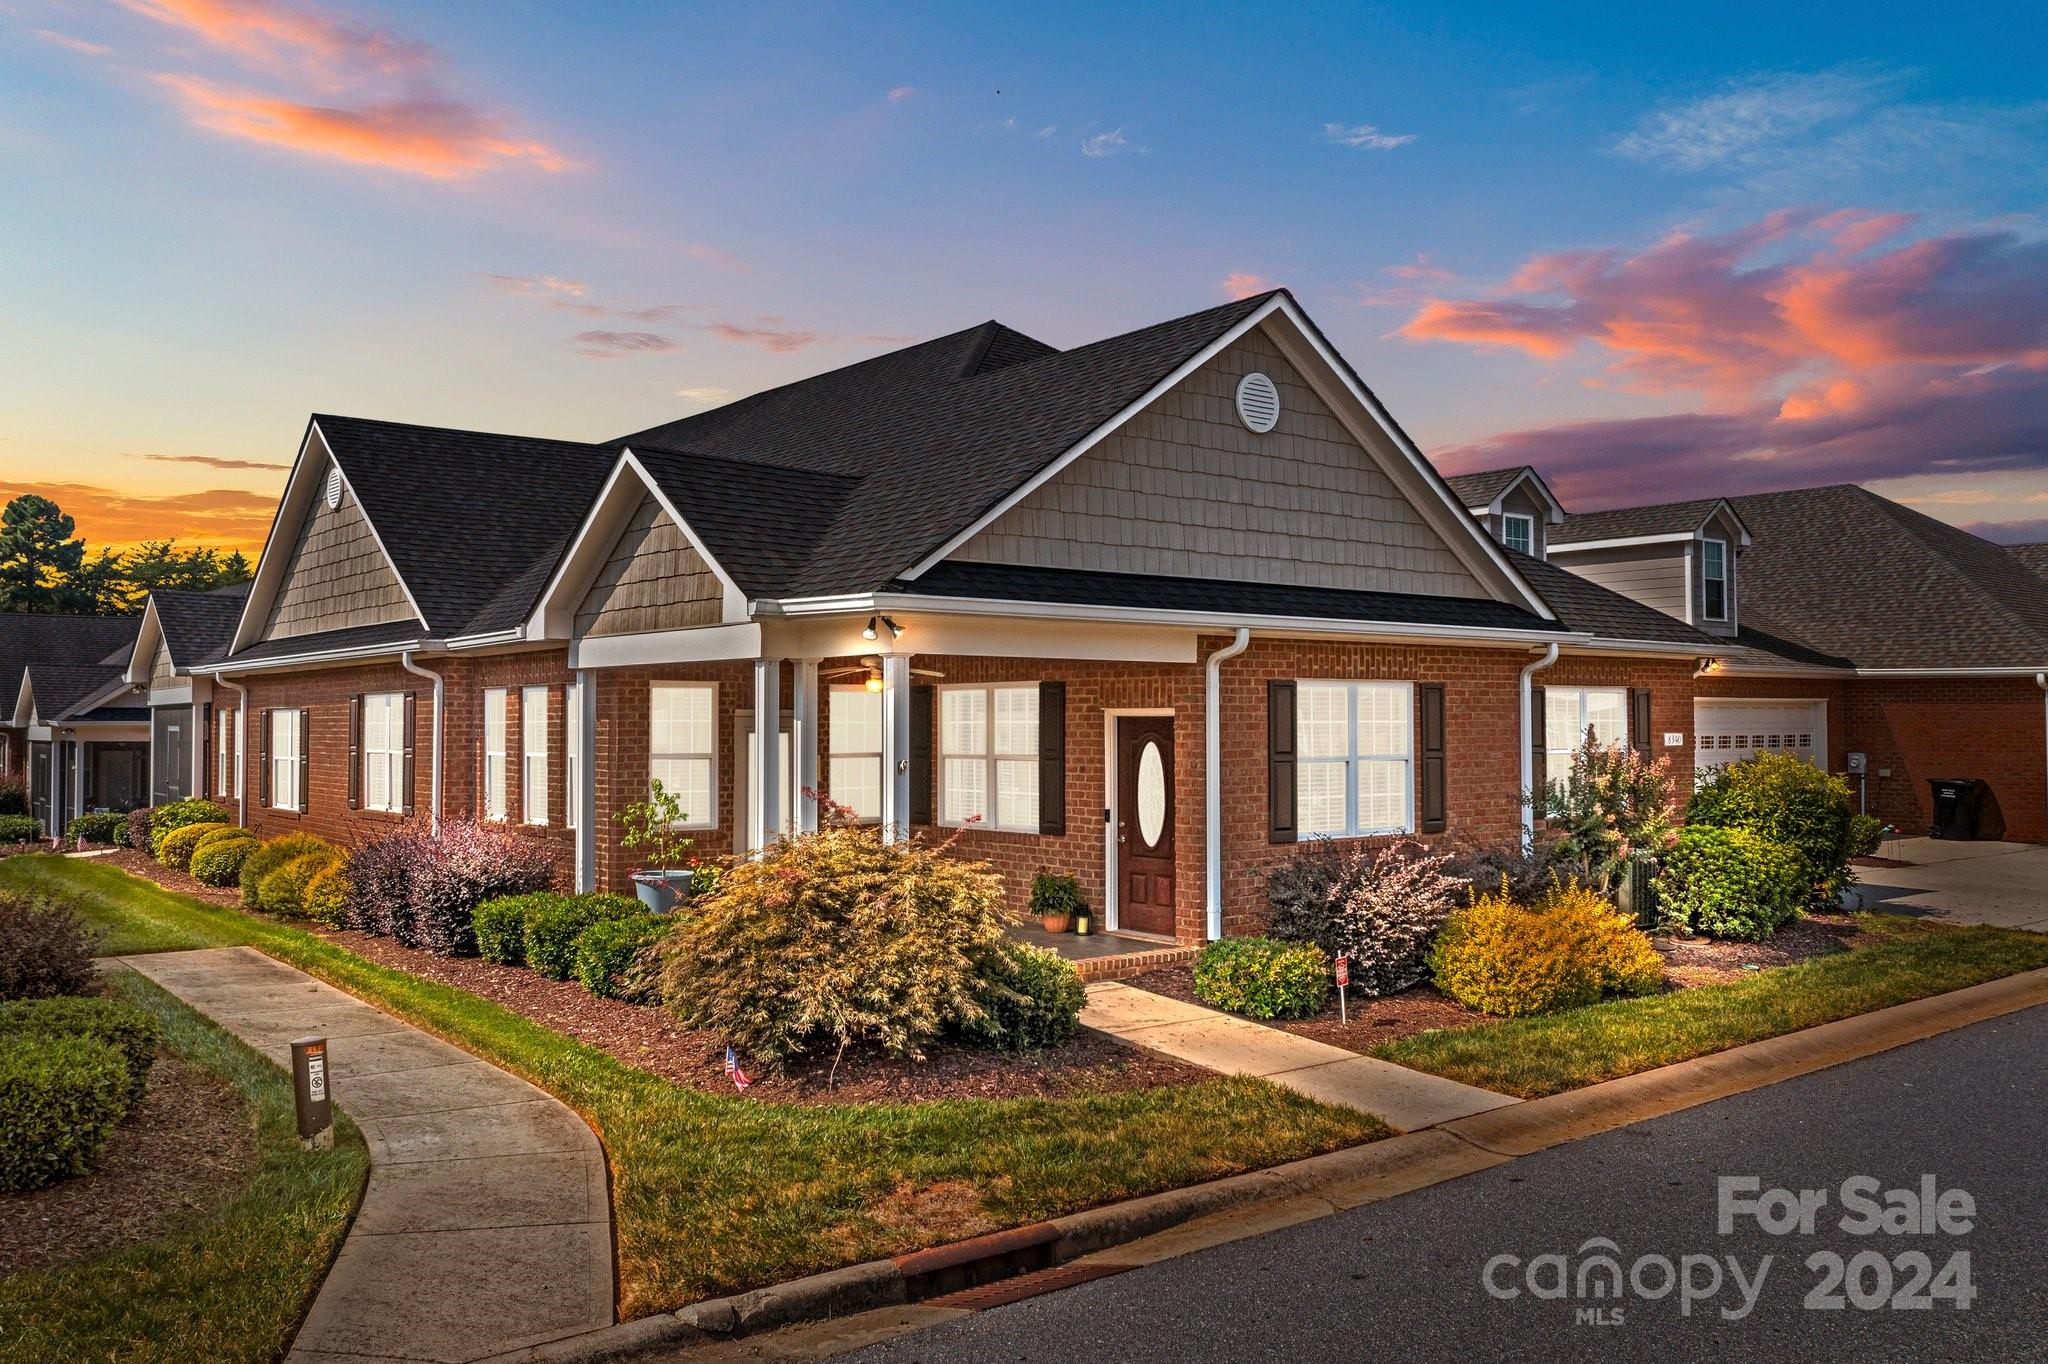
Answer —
(434, 806)
(2041, 681)
(1212, 782)
(1528, 737)
(241, 747)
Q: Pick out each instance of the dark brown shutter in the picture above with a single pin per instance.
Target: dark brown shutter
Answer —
(263, 758)
(1639, 720)
(1281, 822)
(411, 718)
(355, 751)
(305, 737)
(1430, 701)
(1052, 757)
(1539, 776)
(921, 708)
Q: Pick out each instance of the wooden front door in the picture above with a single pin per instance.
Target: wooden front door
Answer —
(1144, 823)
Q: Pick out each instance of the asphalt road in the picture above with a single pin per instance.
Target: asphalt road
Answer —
(1403, 1280)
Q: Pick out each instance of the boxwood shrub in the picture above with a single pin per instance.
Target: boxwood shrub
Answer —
(501, 925)
(283, 890)
(325, 898)
(61, 1097)
(101, 826)
(1729, 883)
(1030, 998)
(44, 949)
(1263, 978)
(20, 828)
(552, 928)
(178, 814)
(614, 957)
(218, 859)
(129, 1030)
(272, 855)
(175, 848)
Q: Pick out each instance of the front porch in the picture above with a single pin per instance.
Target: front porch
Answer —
(1108, 956)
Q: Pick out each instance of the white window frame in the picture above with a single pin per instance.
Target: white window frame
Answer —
(533, 757)
(1706, 610)
(572, 753)
(228, 749)
(691, 820)
(1353, 756)
(392, 754)
(286, 736)
(1558, 757)
(496, 795)
(1507, 532)
(988, 755)
(836, 752)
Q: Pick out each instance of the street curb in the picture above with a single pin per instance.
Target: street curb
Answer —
(1314, 1187)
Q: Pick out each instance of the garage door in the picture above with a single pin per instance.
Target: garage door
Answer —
(1729, 731)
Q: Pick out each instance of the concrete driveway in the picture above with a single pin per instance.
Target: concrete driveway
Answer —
(2005, 884)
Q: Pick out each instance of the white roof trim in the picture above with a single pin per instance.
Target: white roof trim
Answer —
(149, 633)
(1473, 547)
(300, 492)
(1669, 537)
(320, 657)
(1497, 507)
(25, 703)
(554, 614)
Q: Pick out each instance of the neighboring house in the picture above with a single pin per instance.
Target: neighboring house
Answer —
(181, 631)
(78, 733)
(1153, 611)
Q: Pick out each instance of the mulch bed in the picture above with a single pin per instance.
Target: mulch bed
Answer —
(1689, 962)
(184, 1149)
(138, 863)
(1880, 862)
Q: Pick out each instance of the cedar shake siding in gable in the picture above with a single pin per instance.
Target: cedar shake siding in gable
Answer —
(1185, 489)
(337, 577)
(654, 580)
(161, 673)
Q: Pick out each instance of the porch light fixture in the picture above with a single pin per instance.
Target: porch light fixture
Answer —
(874, 682)
(895, 630)
(869, 632)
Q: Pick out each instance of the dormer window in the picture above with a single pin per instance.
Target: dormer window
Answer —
(1518, 533)
(1714, 578)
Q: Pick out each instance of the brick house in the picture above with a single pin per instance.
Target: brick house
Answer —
(1151, 611)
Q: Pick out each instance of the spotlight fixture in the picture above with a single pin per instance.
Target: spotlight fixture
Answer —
(869, 632)
(895, 630)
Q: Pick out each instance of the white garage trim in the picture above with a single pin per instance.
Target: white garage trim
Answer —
(1730, 729)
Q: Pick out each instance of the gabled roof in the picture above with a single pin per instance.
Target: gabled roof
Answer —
(2035, 557)
(62, 690)
(1841, 572)
(60, 642)
(1663, 519)
(198, 626)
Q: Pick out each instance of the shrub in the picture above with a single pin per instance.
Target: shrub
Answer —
(60, 1099)
(424, 890)
(178, 814)
(1566, 950)
(1611, 804)
(13, 795)
(138, 827)
(326, 894)
(20, 828)
(1866, 835)
(1380, 906)
(44, 949)
(1483, 864)
(836, 940)
(272, 855)
(615, 957)
(553, 924)
(101, 826)
(1788, 801)
(175, 848)
(1030, 998)
(1263, 978)
(218, 859)
(501, 925)
(283, 890)
(1053, 893)
(130, 1031)
(1729, 883)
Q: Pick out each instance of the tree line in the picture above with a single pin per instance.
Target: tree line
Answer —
(45, 569)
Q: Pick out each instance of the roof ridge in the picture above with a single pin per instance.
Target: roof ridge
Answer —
(318, 417)
(751, 463)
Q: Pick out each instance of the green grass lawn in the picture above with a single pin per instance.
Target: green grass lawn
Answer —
(227, 1284)
(1531, 1057)
(716, 1194)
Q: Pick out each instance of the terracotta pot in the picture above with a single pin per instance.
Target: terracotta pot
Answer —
(1056, 923)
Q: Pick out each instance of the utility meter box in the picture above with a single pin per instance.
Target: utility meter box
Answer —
(1859, 763)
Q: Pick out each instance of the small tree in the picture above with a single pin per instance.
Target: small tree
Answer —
(1611, 805)
(652, 829)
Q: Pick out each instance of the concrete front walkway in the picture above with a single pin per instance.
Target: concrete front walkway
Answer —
(2004, 884)
(486, 1226)
(1403, 1098)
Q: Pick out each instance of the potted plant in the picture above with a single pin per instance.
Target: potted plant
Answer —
(651, 830)
(1056, 899)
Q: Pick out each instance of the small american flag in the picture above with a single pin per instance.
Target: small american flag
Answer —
(733, 1072)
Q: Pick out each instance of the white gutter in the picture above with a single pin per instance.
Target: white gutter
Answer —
(1212, 780)
(241, 747)
(1528, 738)
(434, 809)
(311, 660)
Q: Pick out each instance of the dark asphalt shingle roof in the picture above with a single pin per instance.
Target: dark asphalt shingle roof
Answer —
(199, 626)
(1582, 604)
(2035, 557)
(1664, 518)
(1480, 488)
(61, 688)
(355, 637)
(28, 638)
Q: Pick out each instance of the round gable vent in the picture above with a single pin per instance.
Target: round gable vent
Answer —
(1258, 402)
(333, 487)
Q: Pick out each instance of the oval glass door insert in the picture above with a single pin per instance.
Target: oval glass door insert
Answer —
(1151, 794)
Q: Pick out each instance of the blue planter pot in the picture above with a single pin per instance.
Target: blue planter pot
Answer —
(661, 891)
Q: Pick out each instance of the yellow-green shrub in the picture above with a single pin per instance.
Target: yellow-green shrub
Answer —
(1568, 949)
(326, 894)
(218, 859)
(283, 890)
(273, 855)
(175, 848)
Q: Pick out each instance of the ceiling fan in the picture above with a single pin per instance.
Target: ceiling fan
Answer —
(871, 668)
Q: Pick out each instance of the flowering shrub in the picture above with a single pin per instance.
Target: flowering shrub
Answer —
(836, 940)
(1568, 949)
(1263, 978)
(1729, 883)
(423, 890)
(1612, 804)
(1379, 905)
(138, 828)
(1790, 801)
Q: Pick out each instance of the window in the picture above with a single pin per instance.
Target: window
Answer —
(1714, 578)
(494, 753)
(853, 773)
(533, 754)
(572, 752)
(286, 734)
(1354, 741)
(988, 756)
(227, 748)
(384, 751)
(680, 748)
(1569, 712)
(1518, 533)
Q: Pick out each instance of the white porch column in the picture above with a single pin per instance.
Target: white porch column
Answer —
(584, 721)
(77, 776)
(767, 825)
(804, 743)
(895, 746)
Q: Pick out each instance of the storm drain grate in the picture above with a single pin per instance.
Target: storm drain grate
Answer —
(1024, 1286)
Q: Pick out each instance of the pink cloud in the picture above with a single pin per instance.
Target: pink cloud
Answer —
(282, 34)
(604, 345)
(71, 44)
(779, 340)
(1243, 284)
(900, 93)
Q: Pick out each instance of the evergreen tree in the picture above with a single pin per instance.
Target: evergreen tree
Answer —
(38, 556)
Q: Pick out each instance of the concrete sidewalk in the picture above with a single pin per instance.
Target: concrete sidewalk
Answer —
(2002, 884)
(487, 1224)
(1405, 1099)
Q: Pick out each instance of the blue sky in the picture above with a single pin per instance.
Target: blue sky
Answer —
(1764, 246)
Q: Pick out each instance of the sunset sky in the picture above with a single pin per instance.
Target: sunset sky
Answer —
(1752, 248)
